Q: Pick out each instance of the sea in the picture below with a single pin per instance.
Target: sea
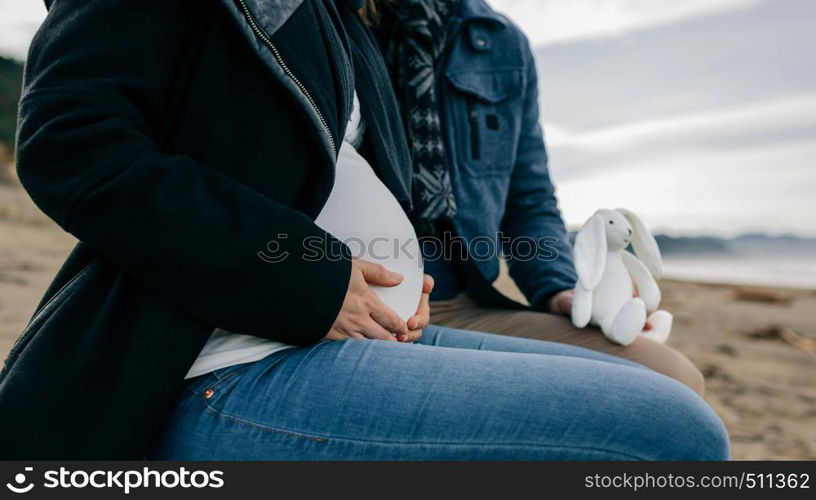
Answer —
(790, 271)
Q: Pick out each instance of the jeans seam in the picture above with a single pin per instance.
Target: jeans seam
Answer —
(321, 439)
(318, 439)
(519, 444)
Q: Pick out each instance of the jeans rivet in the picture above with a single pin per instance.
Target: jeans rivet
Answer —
(208, 393)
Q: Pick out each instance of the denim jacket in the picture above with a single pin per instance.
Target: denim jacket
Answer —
(490, 111)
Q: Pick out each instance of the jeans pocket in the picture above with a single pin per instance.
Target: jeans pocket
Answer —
(223, 375)
(208, 385)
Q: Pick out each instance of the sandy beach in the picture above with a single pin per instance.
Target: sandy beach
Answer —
(756, 345)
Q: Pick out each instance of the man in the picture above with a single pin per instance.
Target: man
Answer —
(467, 84)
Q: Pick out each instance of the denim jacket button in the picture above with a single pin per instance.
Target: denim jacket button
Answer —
(208, 393)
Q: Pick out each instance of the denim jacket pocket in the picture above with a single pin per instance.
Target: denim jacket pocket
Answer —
(485, 109)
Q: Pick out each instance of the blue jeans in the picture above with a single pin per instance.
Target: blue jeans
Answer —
(455, 395)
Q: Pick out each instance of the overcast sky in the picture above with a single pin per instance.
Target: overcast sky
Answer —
(705, 124)
(699, 114)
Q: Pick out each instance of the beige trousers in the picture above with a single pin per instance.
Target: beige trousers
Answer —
(463, 313)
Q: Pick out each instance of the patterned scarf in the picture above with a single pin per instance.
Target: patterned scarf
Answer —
(416, 34)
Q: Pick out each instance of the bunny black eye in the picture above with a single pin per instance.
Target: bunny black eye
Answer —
(611, 222)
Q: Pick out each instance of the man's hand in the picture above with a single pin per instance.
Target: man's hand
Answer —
(561, 303)
(423, 315)
(363, 315)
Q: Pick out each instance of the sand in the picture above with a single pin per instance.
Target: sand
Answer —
(756, 345)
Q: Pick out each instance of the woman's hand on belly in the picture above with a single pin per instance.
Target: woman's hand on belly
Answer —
(423, 315)
(363, 315)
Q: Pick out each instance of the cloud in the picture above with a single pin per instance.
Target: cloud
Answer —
(19, 19)
(704, 125)
(559, 21)
(727, 59)
(727, 192)
(545, 21)
(699, 114)
(784, 121)
(749, 168)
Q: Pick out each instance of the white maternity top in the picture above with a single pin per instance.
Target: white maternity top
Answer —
(362, 213)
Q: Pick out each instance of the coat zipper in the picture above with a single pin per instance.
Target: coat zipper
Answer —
(473, 119)
(262, 35)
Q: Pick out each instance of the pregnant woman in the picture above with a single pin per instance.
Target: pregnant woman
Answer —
(176, 139)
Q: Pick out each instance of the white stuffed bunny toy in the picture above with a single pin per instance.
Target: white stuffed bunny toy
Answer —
(608, 276)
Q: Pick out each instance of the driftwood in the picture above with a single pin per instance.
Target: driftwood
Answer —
(788, 335)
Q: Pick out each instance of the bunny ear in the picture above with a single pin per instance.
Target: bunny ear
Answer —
(590, 252)
(644, 243)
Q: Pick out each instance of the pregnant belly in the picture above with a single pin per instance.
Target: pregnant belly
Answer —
(364, 214)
